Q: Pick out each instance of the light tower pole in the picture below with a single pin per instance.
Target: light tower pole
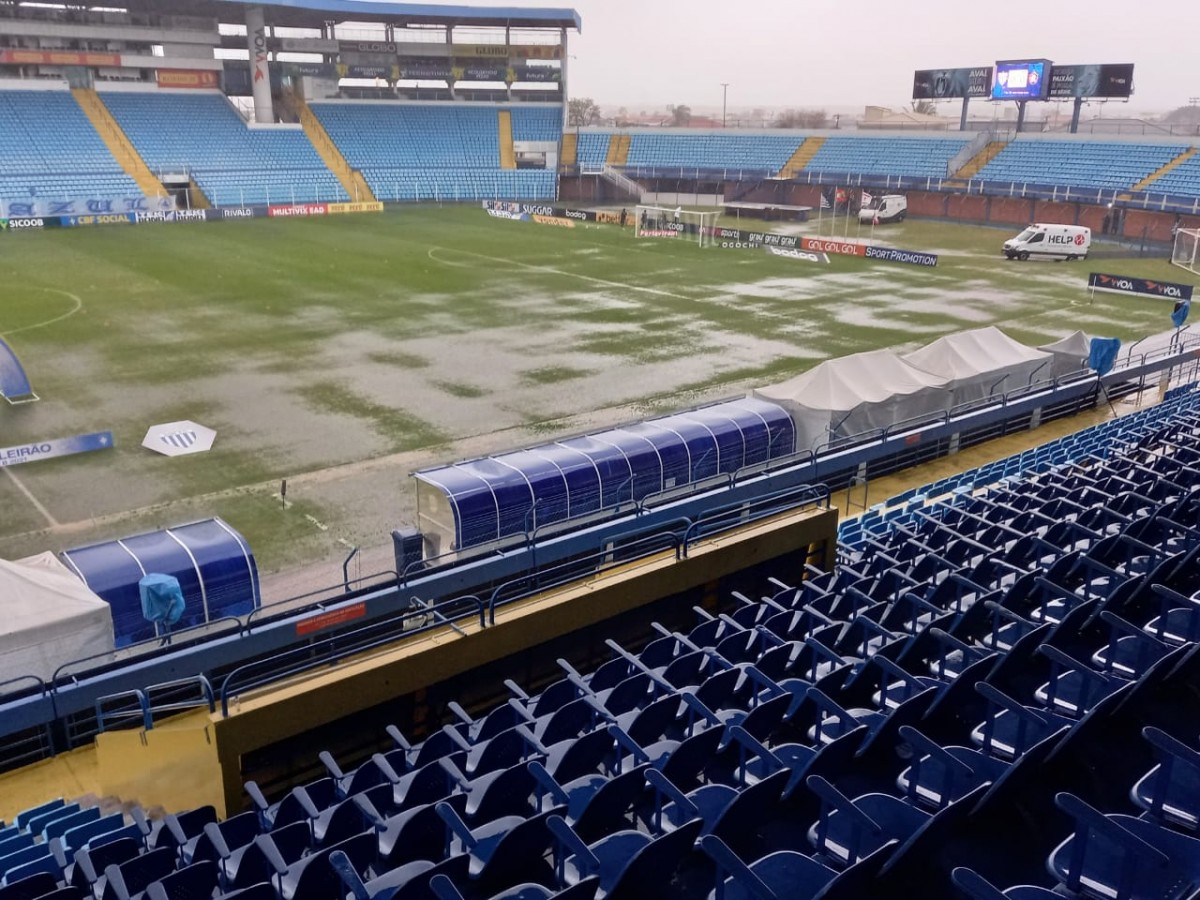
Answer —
(724, 98)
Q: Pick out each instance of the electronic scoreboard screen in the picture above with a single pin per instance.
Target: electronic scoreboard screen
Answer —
(1021, 79)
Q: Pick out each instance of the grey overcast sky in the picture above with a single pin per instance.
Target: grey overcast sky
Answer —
(849, 53)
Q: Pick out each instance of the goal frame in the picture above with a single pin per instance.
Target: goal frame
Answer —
(1185, 252)
(676, 222)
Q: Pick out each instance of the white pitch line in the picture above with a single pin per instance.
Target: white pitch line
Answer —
(76, 308)
(53, 522)
(553, 271)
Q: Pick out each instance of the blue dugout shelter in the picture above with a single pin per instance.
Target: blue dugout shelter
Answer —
(212, 561)
(14, 383)
(483, 500)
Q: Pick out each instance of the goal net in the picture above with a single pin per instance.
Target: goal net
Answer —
(1184, 253)
(677, 222)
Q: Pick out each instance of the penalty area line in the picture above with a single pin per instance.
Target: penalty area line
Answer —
(50, 520)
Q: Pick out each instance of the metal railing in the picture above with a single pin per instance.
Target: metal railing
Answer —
(330, 650)
(1123, 197)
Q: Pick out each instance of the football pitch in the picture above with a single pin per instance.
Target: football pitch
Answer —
(343, 353)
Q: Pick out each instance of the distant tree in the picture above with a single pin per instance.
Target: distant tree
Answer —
(582, 111)
(681, 116)
(622, 118)
(1183, 115)
(802, 118)
(924, 107)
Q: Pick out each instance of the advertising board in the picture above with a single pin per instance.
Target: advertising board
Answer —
(1021, 79)
(944, 84)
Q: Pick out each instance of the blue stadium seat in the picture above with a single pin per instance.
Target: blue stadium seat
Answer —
(1101, 165)
(439, 152)
(235, 164)
(923, 157)
(49, 150)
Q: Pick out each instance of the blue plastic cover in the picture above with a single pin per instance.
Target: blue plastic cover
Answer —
(14, 383)
(162, 599)
(210, 560)
(515, 493)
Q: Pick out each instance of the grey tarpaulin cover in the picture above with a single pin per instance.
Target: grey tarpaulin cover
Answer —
(981, 363)
(1070, 354)
(855, 394)
(48, 617)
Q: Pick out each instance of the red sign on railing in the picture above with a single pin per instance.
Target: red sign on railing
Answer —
(324, 620)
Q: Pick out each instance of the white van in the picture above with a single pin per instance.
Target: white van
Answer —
(1057, 242)
(885, 208)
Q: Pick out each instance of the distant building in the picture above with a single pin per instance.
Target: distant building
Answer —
(884, 119)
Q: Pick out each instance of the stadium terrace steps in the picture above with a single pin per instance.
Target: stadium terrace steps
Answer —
(50, 149)
(800, 158)
(618, 150)
(198, 197)
(118, 142)
(508, 156)
(570, 150)
(236, 164)
(1095, 165)
(355, 185)
(438, 151)
(972, 166)
(1146, 183)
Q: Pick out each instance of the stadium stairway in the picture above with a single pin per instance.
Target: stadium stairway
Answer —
(508, 156)
(1149, 180)
(618, 150)
(972, 166)
(804, 153)
(352, 180)
(199, 200)
(569, 157)
(118, 142)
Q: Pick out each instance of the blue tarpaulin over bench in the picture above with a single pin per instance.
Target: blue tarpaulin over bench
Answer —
(513, 493)
(212, 561)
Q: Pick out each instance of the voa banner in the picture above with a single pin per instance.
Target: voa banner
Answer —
(1126, 284)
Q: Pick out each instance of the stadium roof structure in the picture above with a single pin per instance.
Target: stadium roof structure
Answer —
(315, 13)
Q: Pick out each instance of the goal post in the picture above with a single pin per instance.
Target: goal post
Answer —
(1184, 253)
(676, 222)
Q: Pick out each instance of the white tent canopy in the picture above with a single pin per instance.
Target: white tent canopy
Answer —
(1070, 354)
(856, 394)
(981, 362)
(48, 617)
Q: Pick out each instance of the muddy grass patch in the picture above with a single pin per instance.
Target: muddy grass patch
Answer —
(552, 374)
(460, 389)
(403, 430)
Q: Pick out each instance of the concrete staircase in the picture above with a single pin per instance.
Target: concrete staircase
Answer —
(197, 197)
(1183, 157)
(972, 166)
(570, 150)
(118, 142)
(618, 150)
(801, 157)
(627, 186)
(352, 180)
(508, 156)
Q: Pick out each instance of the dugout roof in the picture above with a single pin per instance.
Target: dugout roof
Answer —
(212, 561)
(512, 493)
(315, 13)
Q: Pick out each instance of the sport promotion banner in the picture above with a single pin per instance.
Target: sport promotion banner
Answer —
(733, 239)
(36, 452)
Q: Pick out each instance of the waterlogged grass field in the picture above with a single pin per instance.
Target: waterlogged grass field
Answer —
(343, 353)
